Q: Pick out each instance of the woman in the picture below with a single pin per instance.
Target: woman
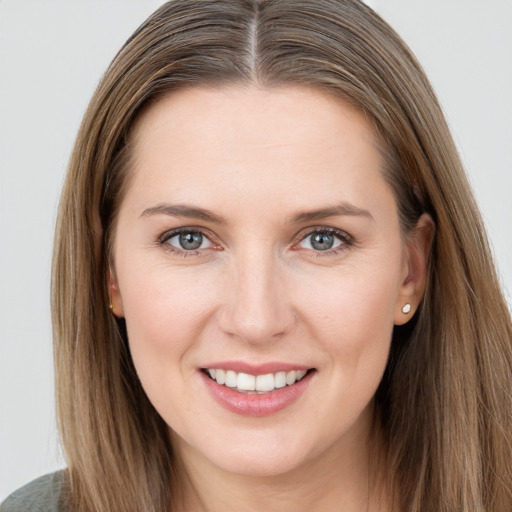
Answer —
(272, 287)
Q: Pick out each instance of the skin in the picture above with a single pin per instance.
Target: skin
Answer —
(258, 291)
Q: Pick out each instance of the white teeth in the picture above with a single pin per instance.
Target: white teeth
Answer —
(220, 376)
(280, 380)
(291, 377)
(245, 382)
(231, 379)
(265, 382)
(300, 374)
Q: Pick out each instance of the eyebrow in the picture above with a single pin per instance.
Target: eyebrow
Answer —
(194, 212)
(343, 208)
(183, 210)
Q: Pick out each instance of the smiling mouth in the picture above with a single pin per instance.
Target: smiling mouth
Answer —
(255, 384)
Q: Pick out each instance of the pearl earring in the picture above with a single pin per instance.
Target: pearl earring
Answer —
(406, 309)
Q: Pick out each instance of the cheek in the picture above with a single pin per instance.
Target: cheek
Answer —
(351, 317)
(352, 305)
(165, 312)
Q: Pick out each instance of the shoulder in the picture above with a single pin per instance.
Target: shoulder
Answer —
(41, 495)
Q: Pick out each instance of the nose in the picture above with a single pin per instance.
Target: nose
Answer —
(257, 309)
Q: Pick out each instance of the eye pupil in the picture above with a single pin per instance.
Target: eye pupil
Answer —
(322, 241)
(191, 240)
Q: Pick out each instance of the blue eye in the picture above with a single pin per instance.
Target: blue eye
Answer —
(189, 241)
(323, 240)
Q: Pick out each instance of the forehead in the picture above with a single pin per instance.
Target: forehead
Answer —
(258, 115)
(294, 142)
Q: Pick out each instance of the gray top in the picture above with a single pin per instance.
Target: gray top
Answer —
(41, 495)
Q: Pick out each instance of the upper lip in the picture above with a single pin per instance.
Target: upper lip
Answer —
(256, 369)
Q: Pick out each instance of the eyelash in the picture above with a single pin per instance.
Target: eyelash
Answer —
(346, 240)
(165, 237)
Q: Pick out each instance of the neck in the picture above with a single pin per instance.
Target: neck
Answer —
(341, 478)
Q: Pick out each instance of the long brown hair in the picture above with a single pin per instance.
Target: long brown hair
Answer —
(444, 404)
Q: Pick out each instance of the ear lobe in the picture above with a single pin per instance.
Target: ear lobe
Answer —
(115, 301)
(413, 286)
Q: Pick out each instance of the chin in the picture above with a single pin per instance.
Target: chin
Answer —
(259, 454)
(264, 465)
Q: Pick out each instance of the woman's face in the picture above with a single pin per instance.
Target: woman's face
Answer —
(258, 241)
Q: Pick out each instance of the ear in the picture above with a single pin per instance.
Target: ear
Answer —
(415, 269)
(116, 303)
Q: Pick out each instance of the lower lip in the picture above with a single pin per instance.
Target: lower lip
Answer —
(255, 404)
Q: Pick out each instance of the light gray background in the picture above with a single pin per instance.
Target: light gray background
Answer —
(52, 54)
